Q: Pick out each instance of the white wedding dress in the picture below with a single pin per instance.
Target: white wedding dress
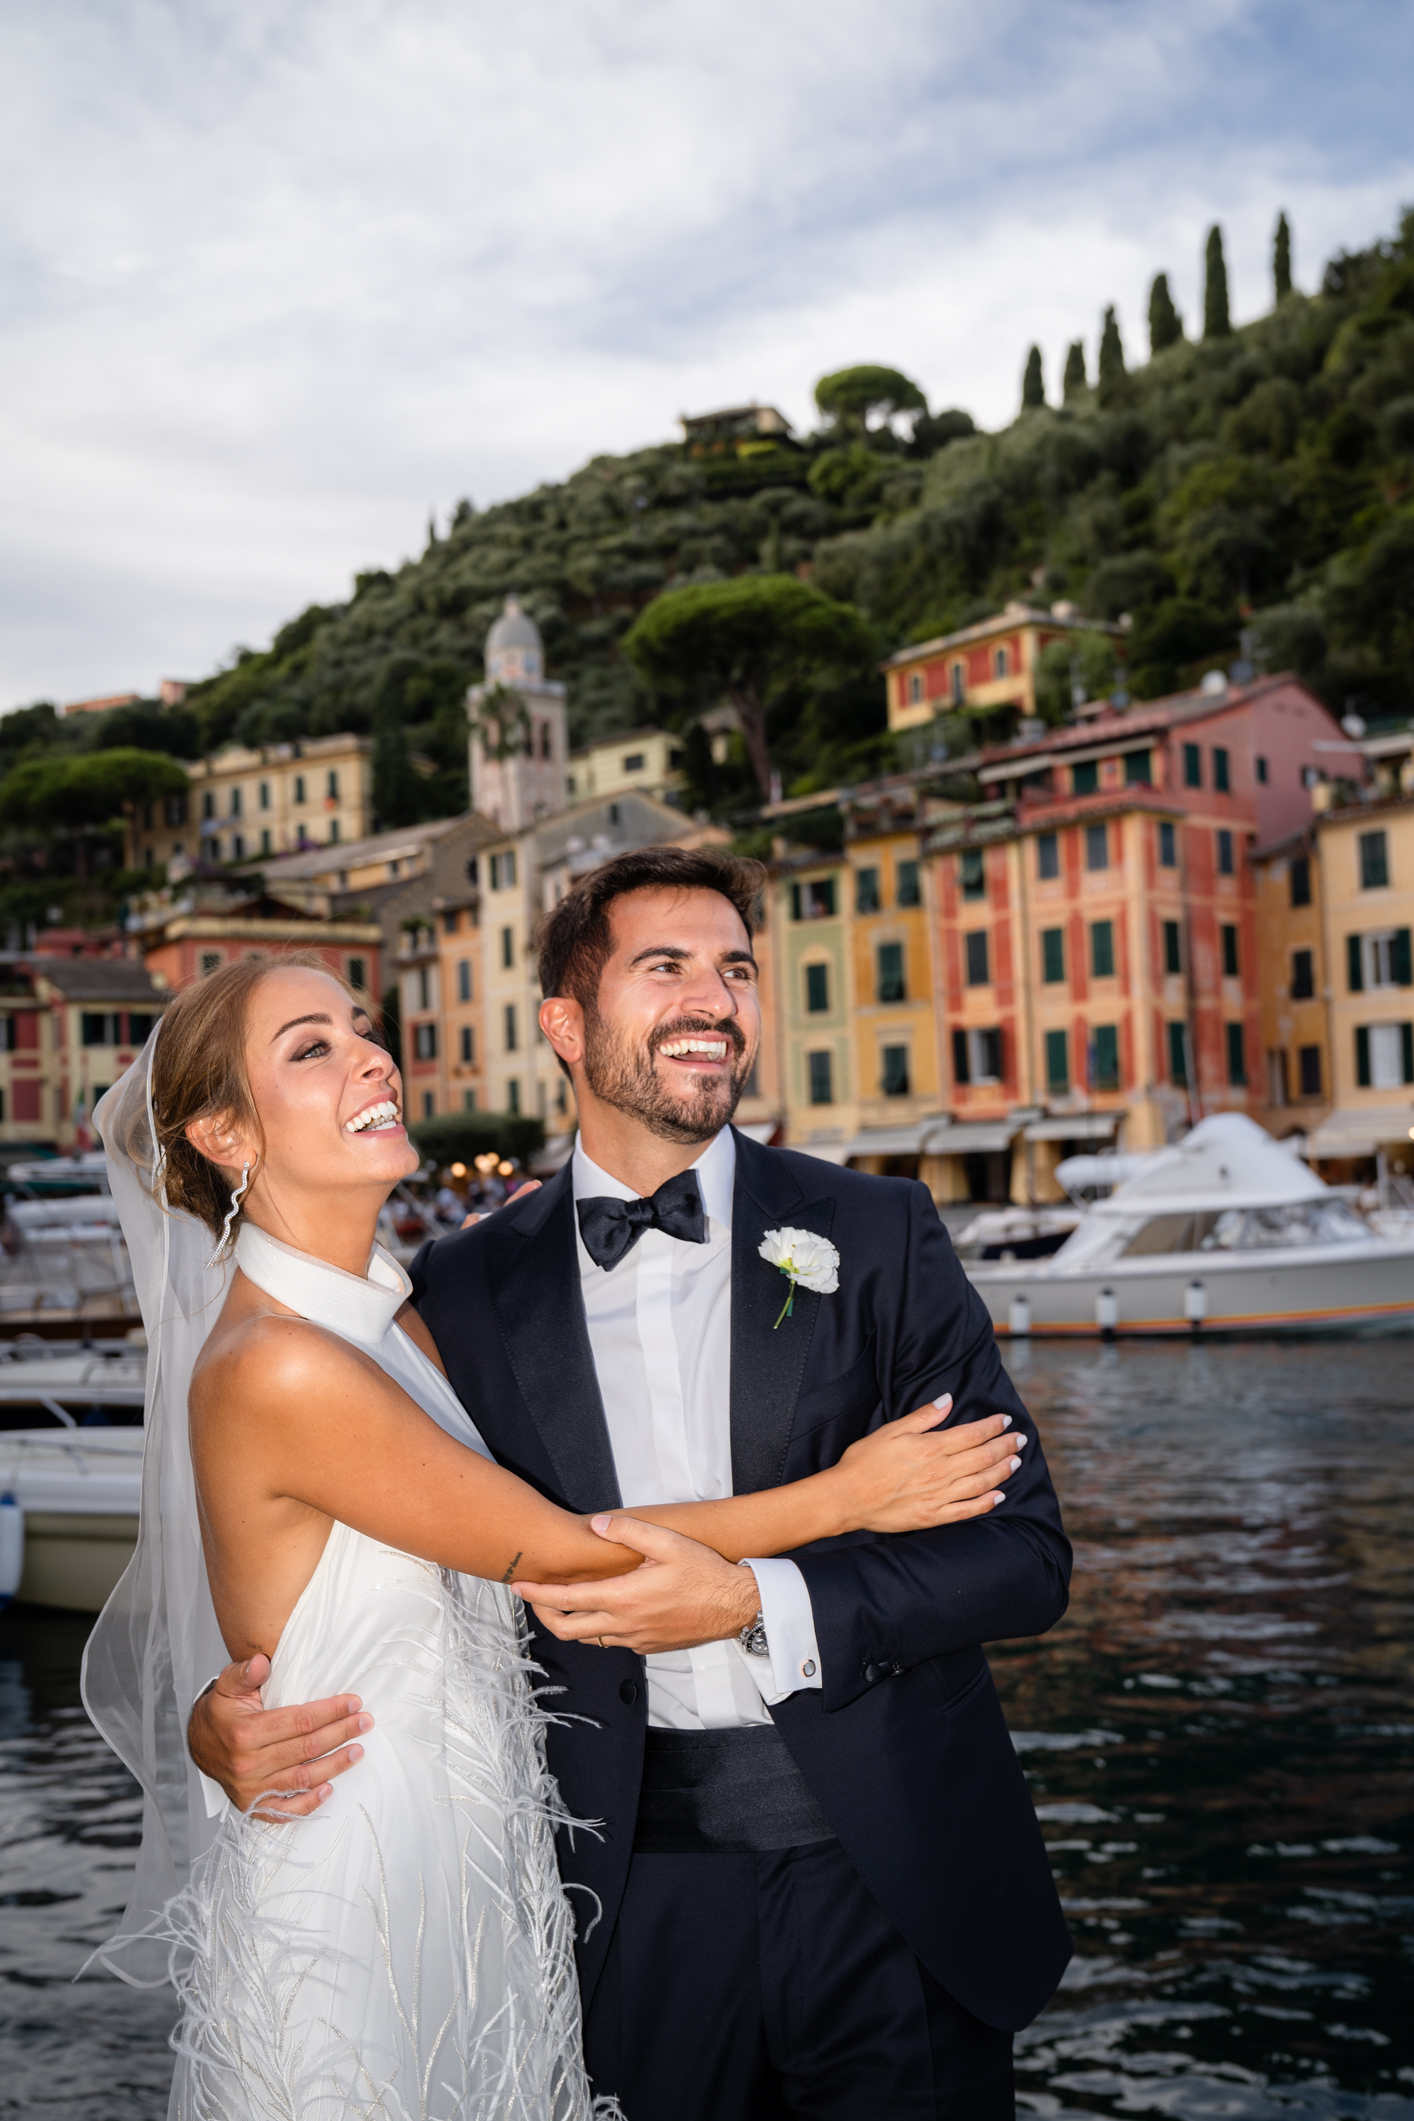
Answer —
(406, 1952)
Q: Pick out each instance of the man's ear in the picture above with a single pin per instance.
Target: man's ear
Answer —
(217, 1137)
(562, 1021)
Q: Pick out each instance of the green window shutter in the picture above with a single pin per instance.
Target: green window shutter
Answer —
(1406, 1038)
(1362, 1056)
(961, 1072)
(1052, 955)
(1354, 967)
(1399, 958)
(1057, 1061)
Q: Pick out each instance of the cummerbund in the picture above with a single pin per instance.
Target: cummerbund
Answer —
(721, 1793)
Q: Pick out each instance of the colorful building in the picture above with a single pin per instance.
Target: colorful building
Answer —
(645, 761)
(188, 937)
(986, 667)
(69, 1026)
(249, 802)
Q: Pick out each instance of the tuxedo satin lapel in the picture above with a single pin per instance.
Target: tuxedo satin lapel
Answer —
(768, 1362)
(535, 1288)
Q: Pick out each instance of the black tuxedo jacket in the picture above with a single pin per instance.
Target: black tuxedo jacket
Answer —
(905, 1746)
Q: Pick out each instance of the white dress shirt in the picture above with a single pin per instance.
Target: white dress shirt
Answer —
(660, 1331)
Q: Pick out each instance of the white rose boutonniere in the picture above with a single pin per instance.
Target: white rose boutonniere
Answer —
(807, 1261)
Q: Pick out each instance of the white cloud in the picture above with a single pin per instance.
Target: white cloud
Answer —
(277, 278)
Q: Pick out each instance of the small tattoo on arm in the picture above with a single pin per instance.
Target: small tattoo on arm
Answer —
(512, 1569)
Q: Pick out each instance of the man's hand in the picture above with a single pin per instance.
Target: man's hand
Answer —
(249, 1749)
(683, 1595)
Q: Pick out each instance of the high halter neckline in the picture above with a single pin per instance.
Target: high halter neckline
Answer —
(361, 1307)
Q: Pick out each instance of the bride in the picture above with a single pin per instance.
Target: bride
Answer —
(313, 1491)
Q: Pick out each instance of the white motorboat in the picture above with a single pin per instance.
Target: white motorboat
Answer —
(70, 1501)
(1224, 1232)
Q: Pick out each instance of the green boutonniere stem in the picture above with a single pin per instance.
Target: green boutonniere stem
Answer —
(787, 1307)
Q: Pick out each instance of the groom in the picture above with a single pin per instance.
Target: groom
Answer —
(818, 1886)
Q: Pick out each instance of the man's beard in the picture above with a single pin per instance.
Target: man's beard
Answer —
(625, 1077)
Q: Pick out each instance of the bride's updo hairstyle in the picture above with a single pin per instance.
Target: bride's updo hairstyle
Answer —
(199, 1072)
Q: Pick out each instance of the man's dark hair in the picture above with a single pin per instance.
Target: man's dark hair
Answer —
(575, 941)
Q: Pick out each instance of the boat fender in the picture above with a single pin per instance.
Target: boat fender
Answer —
(12, 1548)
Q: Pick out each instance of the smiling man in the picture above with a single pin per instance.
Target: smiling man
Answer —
(814, 1882)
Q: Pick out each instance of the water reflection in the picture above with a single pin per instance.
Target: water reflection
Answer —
(1217, 1738)
(1218, 1735)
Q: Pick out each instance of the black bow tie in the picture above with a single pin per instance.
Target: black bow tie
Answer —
(611, 1228)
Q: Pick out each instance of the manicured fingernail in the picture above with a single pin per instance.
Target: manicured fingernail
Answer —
(1016, 1465)
(600, 1523)
(1022, 1442)
(355, 1752)
(324, 1791)
(998, 1497)
(1006, 1421)
(945, 1401)
(365, 1723)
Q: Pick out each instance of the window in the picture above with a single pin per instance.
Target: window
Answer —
(1173, 947)
(634, 762)
(513, 1095)
(1303, 976)
(1299, 878)
(265, 840)
(510, 1022)
(613, 813)
(358, 974)
(999, 662)
(975, 946)
(1221, 780)
(424, 1042)
(1308, 1068)
(814, 901)
(139, 1028)
(174, 809)
(971, 872)
(333, 832)
(1168, 844)
(238, 848)
(503, 870)
(1224, 840)
(235, 802)
(1104, 1057)
(210, 962)
(263, 795)
(1097, 847)
(822, 1078)
(1355, 964)
(1383, 1056)
(907, 879)
(817, 989)
(895, 1071)
(1381, 960)
(208, 803)
(1261, 766)
(98, 1029)
(429, 1104)
(1085, 778)
(468, 1046)
(1229, 934)
(469, 1101)
(1047, 855)
(449, 924)
(866, 891)
(1057, 1062)
(464, 979)
(1052, 955)
(508, 949)
(890, 981)
(1102, 949)
(1374, 861)
(958, 683)
(1310, 775)
(299, 787)
(1178, 1055)
(473, 871)
(1138, 769)
(1192, 766)
(977, 1056)
(915, 687)
(1236, 1055)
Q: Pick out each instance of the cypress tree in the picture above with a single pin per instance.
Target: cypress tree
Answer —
(1281, 259)
(396, 790)
(1033, 386)
(1217, 324)
(1165, 323)
(1112, 372)
(1074, 370)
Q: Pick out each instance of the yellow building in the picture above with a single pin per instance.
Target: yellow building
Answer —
(248, 803)
(1342, 893)
(459, 978)
(643, 762)
(985, 667)
(69, 1027)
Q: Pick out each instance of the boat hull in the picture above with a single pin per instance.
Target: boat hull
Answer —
(73, 1561)
(1346, 1289)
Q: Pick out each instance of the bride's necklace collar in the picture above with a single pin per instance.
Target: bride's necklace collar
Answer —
(361, 1307)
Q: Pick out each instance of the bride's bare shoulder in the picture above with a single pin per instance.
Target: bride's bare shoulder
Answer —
(265, 1362)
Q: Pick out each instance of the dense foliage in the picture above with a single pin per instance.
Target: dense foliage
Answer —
(1255, 480)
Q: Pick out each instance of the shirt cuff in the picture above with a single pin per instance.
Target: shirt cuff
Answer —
(793, 1654)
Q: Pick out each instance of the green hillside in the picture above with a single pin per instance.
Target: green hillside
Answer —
(1260, 478)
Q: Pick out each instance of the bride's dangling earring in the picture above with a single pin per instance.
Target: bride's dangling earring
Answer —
(231, 1213)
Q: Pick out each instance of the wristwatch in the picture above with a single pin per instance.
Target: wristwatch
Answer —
(752, 1638)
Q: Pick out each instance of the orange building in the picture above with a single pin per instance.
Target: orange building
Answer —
(991, 665)
(69, 1026)
(186, 938)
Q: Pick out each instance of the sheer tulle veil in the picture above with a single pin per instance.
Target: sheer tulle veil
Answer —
(156, 1641)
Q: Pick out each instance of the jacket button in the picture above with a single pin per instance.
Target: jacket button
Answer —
(873, 1672)
(628, 1692)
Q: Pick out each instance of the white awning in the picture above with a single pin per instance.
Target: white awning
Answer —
(971, 1137)
(890, 1141)
(1080, 1127)
(828, 1152)
(1359, 1130)
(760, 1130)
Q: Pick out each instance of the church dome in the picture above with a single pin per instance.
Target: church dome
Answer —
(513, 645)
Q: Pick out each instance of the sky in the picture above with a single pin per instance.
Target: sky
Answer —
(280, 279)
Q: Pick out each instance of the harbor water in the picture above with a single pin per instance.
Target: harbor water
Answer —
(1219, 1740)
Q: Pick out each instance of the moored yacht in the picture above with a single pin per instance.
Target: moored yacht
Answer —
(1224, 1232)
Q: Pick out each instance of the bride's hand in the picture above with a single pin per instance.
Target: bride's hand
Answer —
(910, 1474)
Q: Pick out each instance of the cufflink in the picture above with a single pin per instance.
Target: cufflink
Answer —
(807, 1670)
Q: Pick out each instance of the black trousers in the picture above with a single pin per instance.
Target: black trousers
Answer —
(767, 1986)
